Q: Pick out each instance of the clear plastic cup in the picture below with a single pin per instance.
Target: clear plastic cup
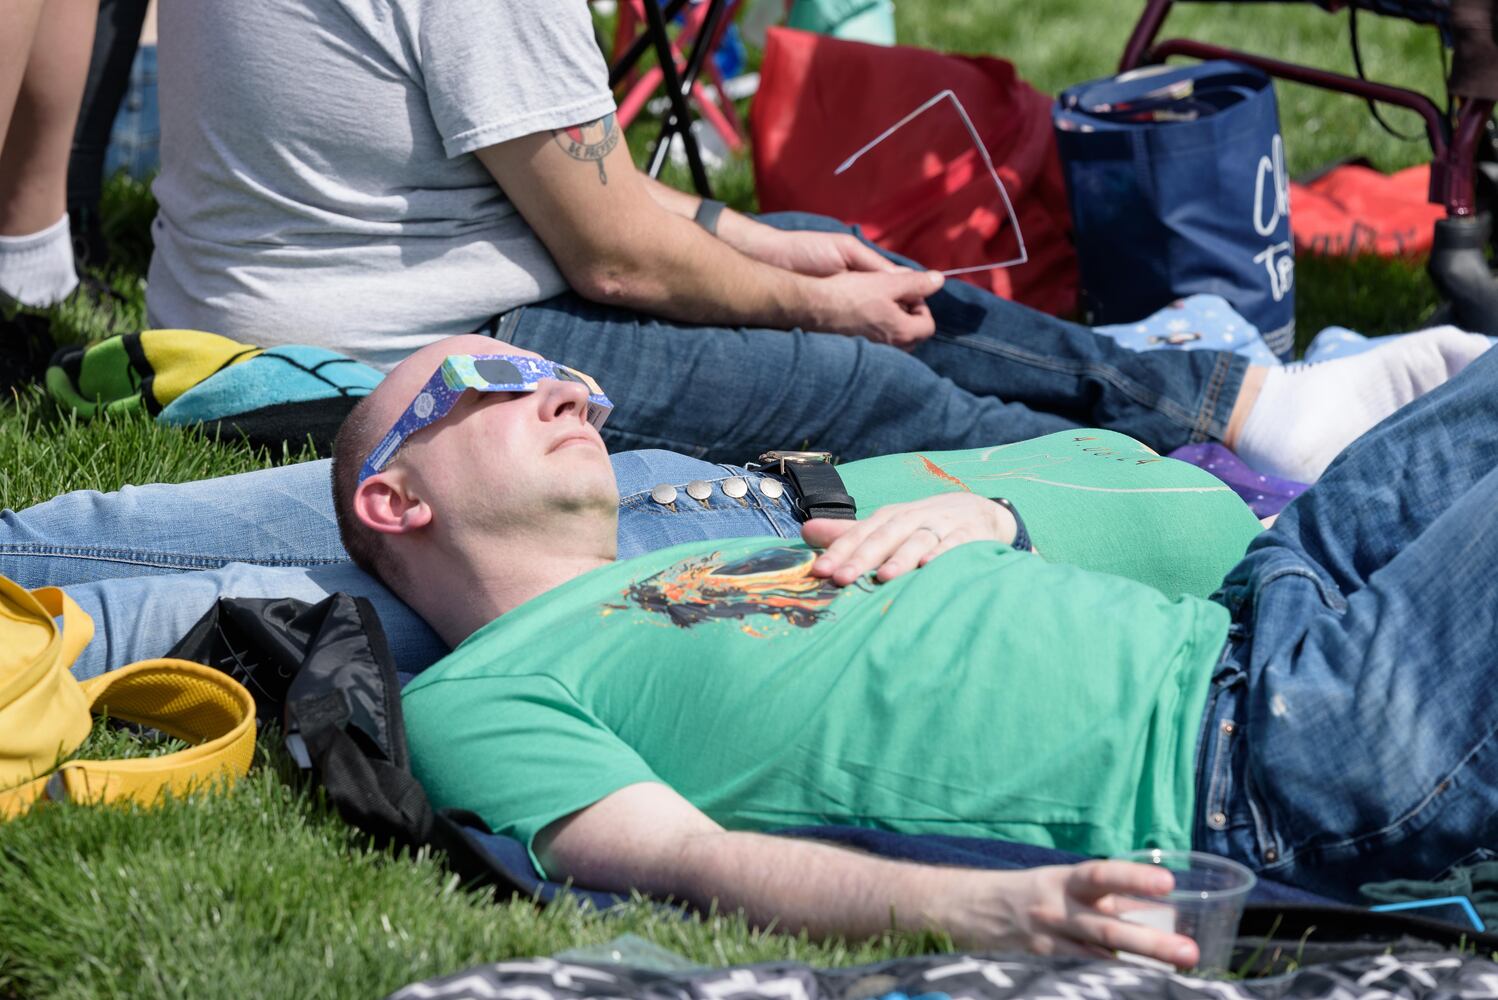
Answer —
(1205, 904)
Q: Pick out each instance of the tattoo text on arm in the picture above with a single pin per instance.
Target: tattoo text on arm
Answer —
(590, 141)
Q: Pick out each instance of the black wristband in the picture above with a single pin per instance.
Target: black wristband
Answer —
(708, 213)
(1021, 541)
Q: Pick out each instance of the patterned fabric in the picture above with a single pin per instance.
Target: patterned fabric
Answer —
(290, 394)
(1340, 342)
(1265, 495)
(1195, 323)
(971, 977)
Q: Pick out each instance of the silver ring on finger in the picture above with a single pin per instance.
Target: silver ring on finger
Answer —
(933, 531)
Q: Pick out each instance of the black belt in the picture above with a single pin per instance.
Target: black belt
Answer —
(819, 487)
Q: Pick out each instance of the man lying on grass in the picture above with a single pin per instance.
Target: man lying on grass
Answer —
(636, 722)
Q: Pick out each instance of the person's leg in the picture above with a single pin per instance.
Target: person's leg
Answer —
(19, 20)
(142, 617)
(728, 395)
(275, 517)
(36, 259)
(1288, 422)
(283, 518)
(1392, 482)
(1355, 738)
(1351, 731)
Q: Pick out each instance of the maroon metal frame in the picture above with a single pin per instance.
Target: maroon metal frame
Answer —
(1453, 167)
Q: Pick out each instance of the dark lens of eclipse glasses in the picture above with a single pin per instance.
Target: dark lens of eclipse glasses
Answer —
(498, 371)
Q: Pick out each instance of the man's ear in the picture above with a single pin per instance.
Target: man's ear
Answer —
(385, 503)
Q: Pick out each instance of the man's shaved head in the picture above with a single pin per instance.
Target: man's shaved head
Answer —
(368, 422)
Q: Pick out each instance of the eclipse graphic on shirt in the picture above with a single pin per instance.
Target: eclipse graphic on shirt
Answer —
(775, 582)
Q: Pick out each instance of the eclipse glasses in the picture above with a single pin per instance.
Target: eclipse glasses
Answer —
(483, 373)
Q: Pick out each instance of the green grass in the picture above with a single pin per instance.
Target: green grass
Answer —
(263, 890)
(44, 452)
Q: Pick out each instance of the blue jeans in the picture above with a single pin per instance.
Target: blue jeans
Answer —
(157, 557)
(1352, 730)
(995, 373)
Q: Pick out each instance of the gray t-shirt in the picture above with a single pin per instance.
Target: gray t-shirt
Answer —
(318, 184)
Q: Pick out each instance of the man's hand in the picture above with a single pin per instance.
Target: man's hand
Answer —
(818, 255)
(887, 307)
(899, 537)
(1065, 910)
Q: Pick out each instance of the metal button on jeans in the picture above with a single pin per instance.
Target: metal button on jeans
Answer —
(663, 494)
(771, 488)
(699, 489)
(736, 488)
(1217, 820)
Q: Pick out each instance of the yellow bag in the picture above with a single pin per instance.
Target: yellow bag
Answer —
(44, 712)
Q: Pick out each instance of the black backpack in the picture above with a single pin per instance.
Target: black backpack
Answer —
(324, 673)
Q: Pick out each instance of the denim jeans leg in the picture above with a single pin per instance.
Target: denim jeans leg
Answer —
(141, 617)
(1398, 478)
(1354, 735)
(274, 517)
(994, 347)
(1369, 732)
(726, 395)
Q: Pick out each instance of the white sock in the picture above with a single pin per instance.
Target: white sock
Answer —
(38, 270)
(1307, 413)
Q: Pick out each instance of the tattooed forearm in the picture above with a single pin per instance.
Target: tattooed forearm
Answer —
(590, 141)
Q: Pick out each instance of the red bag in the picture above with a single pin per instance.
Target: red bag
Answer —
(926, 192)
(1354, 209)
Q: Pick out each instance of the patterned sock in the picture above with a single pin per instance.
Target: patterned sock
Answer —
(1307, 413)
(38, 270)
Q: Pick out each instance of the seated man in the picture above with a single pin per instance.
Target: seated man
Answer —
(435, 169)
(1327, 720)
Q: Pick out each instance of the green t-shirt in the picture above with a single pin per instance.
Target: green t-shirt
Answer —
(1092, 498)
(991, 693)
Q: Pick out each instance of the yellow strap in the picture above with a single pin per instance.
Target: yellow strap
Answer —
(77, 626)
(186, 700)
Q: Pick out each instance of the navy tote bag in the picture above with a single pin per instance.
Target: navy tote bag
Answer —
(1177, 185)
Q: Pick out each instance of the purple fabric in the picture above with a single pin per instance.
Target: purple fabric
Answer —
(1265, 495)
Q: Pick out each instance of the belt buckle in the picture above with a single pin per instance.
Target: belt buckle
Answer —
(776, 461)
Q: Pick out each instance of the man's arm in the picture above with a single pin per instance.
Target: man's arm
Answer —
(819, 254)
(647, 837)
(615, 243)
